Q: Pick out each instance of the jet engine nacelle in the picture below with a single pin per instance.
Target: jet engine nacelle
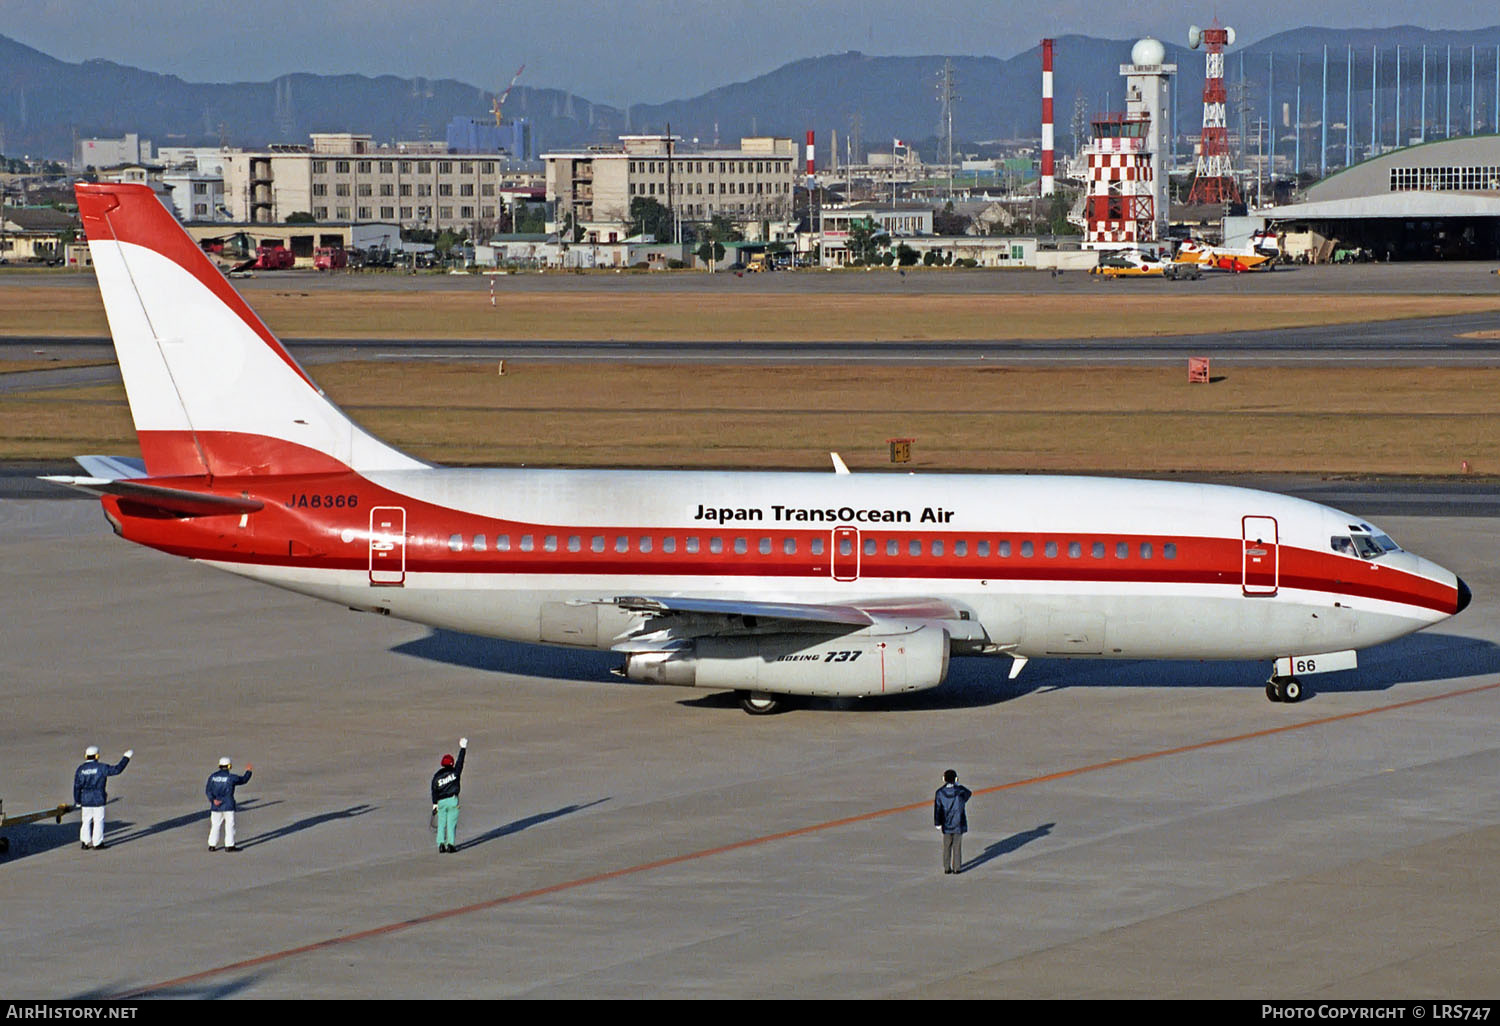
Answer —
(848, 666)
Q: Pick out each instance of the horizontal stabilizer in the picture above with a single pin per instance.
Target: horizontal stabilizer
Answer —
(113, 468)
(176, 501)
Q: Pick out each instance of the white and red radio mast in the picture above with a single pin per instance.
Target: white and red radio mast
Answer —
(1048, 181)
(1214, 179)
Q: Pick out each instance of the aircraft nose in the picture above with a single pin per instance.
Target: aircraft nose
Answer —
(1465, 596)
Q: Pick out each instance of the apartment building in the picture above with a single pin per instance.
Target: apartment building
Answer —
(592, 188)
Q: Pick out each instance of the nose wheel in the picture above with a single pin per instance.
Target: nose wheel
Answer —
(1284, 689)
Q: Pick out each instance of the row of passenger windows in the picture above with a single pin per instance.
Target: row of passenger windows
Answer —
(871, 546)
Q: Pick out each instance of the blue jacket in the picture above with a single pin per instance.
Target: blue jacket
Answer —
(445, 781)
(220, 789)
(89, 782)
(948, 808)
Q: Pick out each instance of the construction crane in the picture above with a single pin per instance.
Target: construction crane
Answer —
(499, 104)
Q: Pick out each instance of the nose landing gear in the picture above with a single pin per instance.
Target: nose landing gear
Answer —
(1284, 689)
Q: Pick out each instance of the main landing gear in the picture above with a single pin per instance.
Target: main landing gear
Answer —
(1284, 689)
(759, 703)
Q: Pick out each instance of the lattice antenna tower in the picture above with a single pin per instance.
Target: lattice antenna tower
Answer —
(1214, 179)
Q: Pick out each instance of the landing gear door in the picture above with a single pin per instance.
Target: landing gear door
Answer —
(388, 546)
(1260, 556)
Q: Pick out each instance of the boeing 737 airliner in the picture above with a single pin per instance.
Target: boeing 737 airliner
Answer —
(767, 584)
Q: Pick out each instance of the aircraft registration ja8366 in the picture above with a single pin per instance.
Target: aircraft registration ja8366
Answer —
(767, 584)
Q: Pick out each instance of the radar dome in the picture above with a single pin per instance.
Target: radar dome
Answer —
(1148, 51)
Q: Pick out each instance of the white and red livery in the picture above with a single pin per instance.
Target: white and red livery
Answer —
(769, 584)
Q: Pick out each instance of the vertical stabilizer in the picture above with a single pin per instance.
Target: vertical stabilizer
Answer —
(211, 390)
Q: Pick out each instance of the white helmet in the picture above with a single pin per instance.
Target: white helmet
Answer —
(91, 752)
(224, 762)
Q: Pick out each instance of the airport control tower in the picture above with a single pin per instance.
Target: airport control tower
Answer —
(1127, 192)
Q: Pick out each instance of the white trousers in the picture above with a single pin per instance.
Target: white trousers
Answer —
(92, 830)
(216, 820)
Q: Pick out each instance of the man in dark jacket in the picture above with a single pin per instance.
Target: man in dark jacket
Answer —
(89, 785)
(949, 815)
(445, 796)
(221, 807)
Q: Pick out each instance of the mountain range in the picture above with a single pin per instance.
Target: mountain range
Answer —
(46, 103)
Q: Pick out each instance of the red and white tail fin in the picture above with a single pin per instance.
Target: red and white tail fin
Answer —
(211, 389)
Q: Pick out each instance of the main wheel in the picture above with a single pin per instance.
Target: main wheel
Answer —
(1291, 690)
(1273, 693)
(758, 703)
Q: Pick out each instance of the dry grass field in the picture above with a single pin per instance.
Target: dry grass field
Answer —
(1256, 419)
(651, 316)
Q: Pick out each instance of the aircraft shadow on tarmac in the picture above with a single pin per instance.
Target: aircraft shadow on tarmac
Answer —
(1008, 845)
(976, 682)
(202, 991)
(517, 826)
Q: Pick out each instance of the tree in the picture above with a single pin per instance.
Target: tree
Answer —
(711, 253)
(865, 240)
(301, 217)
(905, 255)
(649, 217)
(946, 222)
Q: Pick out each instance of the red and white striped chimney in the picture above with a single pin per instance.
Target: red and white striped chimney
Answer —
(811, 167)
(1048, 181)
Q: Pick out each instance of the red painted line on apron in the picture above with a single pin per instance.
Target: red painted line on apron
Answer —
(864, 817)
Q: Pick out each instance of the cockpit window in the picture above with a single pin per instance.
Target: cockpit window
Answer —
(1363, 545)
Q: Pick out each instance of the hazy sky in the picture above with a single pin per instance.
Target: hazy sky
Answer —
(626, 51)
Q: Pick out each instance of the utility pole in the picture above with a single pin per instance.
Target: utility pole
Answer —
(947, 96)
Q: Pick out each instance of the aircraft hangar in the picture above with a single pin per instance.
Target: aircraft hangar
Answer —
(1433, 201)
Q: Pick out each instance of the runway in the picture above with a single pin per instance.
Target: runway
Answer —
(1138, 830)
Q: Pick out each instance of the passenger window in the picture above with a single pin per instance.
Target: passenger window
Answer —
(479, 543)
(1097, 551)
(740, 547)
(765, 546)
(549, 543)
(622, 543)
(575, 543)
(455, 543)
(1122, 550)
(817, 546)
(789, 546)
(1050, 550)
(1169, 551)
(716, 545)
(869, 546)
(1026, 550)
(596, 543)
(669, 544)
(1075, 550)
(892, 547)
(692, 545)
(982, 550)
(937, 547)
(1004, 550)
(1145, 550)
(915, 547)
(645, 543)
(527, 544)
(960, 548)
(502, 543)
(845, 546)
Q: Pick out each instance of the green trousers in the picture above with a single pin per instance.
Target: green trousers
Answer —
(447, 820)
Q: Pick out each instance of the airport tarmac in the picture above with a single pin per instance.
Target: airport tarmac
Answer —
(1138, 829)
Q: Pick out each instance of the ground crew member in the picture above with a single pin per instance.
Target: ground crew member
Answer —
(949, 815)
(220, 791)
(89, 795)
(445, 796)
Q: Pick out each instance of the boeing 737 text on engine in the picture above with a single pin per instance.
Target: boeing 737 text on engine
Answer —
(767, 584)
